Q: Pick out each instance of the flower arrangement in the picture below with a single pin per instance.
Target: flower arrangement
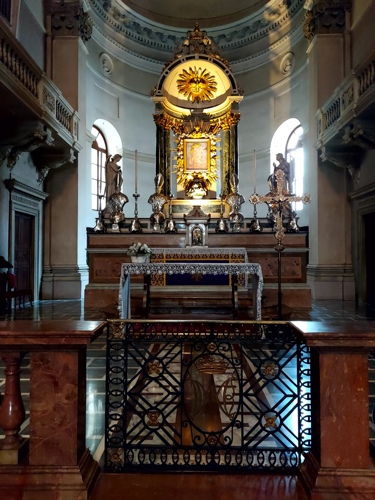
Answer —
(139, 248)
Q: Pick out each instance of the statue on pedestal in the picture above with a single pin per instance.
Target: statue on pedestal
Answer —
(113, 176)
(115, 198)
(157, 200)
(284, 166)
(279, 183)
(235, 200)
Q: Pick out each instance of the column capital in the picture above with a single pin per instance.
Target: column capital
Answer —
(325, 17)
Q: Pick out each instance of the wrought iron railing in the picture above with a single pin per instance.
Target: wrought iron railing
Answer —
(206, 396)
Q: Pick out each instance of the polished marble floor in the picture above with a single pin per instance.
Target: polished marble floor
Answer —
(96, 356)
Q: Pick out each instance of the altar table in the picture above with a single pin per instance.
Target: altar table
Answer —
(202, 268)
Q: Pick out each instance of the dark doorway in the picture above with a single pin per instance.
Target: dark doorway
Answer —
(24, 250)
(369, 220)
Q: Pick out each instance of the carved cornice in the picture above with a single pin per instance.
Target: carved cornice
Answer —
(350, 161)
(33, 136)
(325, 17)
(360, 133)
(46, 160)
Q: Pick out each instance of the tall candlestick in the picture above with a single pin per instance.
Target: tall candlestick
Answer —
(171, 172)
(255, 170)
(135, 170)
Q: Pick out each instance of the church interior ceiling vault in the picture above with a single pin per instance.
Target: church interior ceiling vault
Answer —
(247, 33)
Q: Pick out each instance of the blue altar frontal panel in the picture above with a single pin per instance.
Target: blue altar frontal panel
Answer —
(198, 279)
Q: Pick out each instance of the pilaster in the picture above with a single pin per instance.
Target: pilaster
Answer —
(69, 188)
(330, 272)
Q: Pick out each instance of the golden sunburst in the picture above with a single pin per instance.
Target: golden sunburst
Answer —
(196, 84)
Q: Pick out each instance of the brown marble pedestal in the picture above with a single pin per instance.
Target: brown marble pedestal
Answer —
(339, 465)
(59, 465)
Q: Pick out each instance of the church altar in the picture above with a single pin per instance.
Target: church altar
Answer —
(193, 268)
(107, 252)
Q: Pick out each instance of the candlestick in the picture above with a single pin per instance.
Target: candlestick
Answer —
(255, 170)
(171, 173)
(135, 170)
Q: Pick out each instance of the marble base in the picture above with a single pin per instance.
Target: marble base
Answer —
(14, 456)
(325, 483)
(50, 482)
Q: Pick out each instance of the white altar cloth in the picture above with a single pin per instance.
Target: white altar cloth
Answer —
(147, 269)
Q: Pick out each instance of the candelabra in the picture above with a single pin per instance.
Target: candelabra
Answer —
(254, 223)
(135, 226)
(99, 226)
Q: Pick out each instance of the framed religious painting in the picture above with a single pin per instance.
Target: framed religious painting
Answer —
(197, 155)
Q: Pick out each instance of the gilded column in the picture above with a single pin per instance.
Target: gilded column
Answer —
(225, 162)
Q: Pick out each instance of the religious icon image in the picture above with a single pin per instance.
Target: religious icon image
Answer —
(196, 154)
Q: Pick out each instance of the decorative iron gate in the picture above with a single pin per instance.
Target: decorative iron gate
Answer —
(206, 396)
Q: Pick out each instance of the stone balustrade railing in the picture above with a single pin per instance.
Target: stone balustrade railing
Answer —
(24, 77)
(346, 101)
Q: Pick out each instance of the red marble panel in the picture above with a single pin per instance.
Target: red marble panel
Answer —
(57, 396)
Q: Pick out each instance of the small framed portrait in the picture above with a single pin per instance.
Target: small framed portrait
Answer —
(197, 155)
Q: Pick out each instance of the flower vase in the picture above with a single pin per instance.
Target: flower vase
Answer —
(141, 258)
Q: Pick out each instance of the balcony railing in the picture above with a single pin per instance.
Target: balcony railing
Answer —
(354, 93)
(25, 79)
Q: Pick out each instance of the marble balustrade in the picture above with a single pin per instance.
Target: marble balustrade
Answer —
(339, 463)
(57, 460)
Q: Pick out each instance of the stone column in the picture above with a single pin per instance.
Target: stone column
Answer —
(329, 272)
(67, 211)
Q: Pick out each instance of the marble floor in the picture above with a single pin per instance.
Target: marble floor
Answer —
(96, 356)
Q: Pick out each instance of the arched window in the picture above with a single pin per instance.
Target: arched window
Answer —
(287, 140)
(99, 153)
(294, 155)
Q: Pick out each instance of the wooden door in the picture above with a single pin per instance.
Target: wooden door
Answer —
(24, 250)
(370, 260)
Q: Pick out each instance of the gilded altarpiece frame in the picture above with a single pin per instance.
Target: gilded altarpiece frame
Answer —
(197, 156)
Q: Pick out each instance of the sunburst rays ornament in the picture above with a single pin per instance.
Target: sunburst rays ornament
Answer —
(197, 84)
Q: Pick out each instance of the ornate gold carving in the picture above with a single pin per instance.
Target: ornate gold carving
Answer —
(269, 369)
(211, 365)
(270, 422)
(229, 120)
(187, 176)
(197, 84)
(153, 416)
(153, 367)
(115, 457)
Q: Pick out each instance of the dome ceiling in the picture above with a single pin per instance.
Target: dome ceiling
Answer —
(184, 14)
(247, 33)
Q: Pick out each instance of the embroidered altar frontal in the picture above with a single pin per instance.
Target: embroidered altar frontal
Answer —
(202, 255)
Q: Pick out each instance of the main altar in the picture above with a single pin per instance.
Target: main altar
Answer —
(197, 200)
